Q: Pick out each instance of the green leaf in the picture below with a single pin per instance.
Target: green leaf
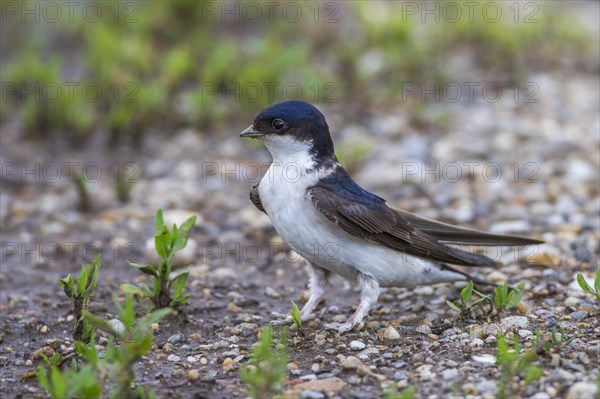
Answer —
(42, 377)
(188, 224)
(597, 281)
(59, 385)
(155, 287)
(296, 315)
(68, 285)
(533, 373)
(453, 306)
(88, 352)
(183, 234)
(515, 296)
(132, 289)
(146, 290)
(94, 280)
(161, 243)
(147, 269)
(100, 323)
(146, 321)
(179, 301)
(583, 283)
(158, 221)
(498, 298)
(178, 284)
(127, 313)
(82, 280)
(465, 293)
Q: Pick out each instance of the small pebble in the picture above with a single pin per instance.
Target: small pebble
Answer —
(423, 329)
(449, 374)
(357, 345)
(311, 395)
(191, 359)
(514, 322)
(571, 301)
(524, 333)
(497, 277)
(117, 325)
(390, 333)
(582, 389)
(228, 365)
(193, 375)
(271, 292)
(173, 358)
(173, 339)
(233, 308)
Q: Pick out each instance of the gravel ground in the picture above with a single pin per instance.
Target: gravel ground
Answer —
(509, 167)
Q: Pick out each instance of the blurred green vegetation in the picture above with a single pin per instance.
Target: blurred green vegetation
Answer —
(171, 64)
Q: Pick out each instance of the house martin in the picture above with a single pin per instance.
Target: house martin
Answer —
(342, 229)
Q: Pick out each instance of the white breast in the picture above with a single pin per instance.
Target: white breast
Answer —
(283, 194)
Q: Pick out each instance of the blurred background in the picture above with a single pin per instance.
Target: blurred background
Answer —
(129, 68)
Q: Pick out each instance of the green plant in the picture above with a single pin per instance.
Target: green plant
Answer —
(80, 291)
(549, 343)
(167, 243)
(83, 191)
(463, 306)
(80, 382)
(90, 379)
(135, 341)
(506, 298)
(268, 365)
(295, 314)
(586, 287)
(513, 363)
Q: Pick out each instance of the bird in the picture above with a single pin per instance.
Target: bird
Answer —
(340, 228)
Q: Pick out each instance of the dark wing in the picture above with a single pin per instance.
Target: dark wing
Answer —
(367, 216)
(446, 233)
(255, 198)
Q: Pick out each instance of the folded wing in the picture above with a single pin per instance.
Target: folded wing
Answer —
(367, 216)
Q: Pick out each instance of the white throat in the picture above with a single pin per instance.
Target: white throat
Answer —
(286, 150)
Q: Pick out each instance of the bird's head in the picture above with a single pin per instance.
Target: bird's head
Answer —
(292, 127)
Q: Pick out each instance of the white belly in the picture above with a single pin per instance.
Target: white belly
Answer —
(323, 243)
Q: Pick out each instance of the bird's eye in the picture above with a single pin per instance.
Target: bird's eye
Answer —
(278, 124)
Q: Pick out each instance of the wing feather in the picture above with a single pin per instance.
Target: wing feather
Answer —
(367, 216)
(255, 198)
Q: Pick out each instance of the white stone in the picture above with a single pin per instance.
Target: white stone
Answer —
(514, 321)
(390, 333)
(357, 345)
(581, 390)
(117, 325)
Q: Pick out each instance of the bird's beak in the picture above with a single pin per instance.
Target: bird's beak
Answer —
(250, 132)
